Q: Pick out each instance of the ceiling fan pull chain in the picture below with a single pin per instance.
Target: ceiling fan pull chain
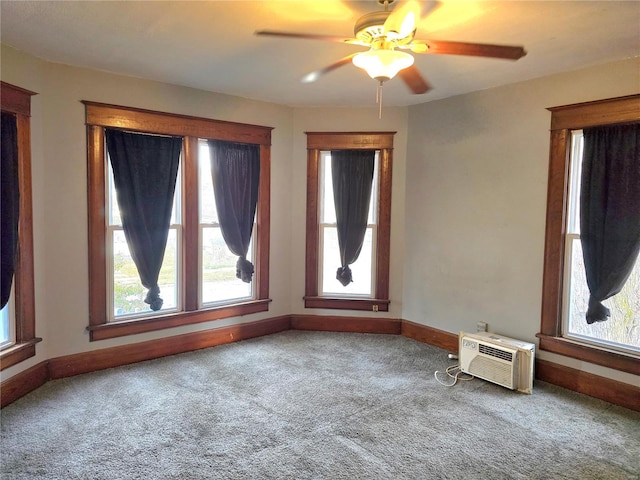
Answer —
(379, 99)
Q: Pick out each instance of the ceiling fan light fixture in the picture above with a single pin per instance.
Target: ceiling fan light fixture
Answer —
(383, 65)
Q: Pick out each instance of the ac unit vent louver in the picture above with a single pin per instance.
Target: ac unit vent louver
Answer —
(494, 352)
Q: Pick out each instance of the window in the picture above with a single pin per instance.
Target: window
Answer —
(197, 278)
(127, 292)
(18, 317)
(622, 331)
(560, 249)
(219, 282)
(370, 287)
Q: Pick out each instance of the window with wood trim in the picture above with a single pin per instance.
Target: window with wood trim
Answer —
(565, 121)
(19, 313)
(199, 271)
(372, 293)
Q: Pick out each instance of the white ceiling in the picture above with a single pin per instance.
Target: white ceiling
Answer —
(211, 45)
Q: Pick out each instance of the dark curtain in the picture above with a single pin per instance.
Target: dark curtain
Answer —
(235, 170)
(609, 211)
(352, 175)
(10, 206)
(145, 168)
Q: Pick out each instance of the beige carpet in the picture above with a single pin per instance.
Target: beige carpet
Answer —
(310, 405)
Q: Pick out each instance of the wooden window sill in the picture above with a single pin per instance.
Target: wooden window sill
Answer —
(590, 353)
(132, 327)
(17, 353)
(337, 303)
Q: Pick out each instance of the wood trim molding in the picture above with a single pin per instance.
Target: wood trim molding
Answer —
(599, 112)
(97, 225)
(598, 356)
(15, 99)
(141, 120)
(132, 327)
(24, 382)
(349, 140)
(311, 256)
(390, 326)
(612, 391)
(617, 393)
(137, 352)
(433, 336)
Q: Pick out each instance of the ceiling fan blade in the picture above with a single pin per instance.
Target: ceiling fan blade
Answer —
(472, 49)
(414, 80)
(313, 76)
(310, 36)
(402, 21)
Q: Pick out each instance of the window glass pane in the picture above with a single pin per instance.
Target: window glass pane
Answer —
(128, 292)
(623, 327)
(361, 270)
(219, 281)
(208, 213)
(328, 213)
(5, 325)
(112, 200)
(577, 144)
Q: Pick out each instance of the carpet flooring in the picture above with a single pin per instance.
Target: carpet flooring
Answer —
(310, 405)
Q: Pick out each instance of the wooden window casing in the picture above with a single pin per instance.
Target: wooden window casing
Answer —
(324, 141)
(100, 116)
(563, 120)
(17, 101)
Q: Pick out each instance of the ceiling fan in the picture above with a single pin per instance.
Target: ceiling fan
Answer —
(387, 33)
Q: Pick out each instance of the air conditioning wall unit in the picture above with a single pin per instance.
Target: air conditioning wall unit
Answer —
(502, 360)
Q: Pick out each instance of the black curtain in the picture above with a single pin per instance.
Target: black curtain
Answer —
(352, 176)
(609, 211)
(10, 206)
(145, 168)
(235, 170)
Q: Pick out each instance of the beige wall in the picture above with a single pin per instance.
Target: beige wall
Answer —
(476, 202)
(60, 190)
(468, 204)
(59, 181)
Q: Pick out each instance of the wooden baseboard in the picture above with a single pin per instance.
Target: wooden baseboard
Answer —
(432, 336)
(137, 352)
(611, 391)
(23, 383)
(391, 326)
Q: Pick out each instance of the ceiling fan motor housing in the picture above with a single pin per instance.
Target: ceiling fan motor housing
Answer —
(370, 26)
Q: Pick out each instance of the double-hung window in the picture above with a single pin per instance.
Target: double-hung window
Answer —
(17, 317)
(367, 284)
(565, 295)
(198, 279)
